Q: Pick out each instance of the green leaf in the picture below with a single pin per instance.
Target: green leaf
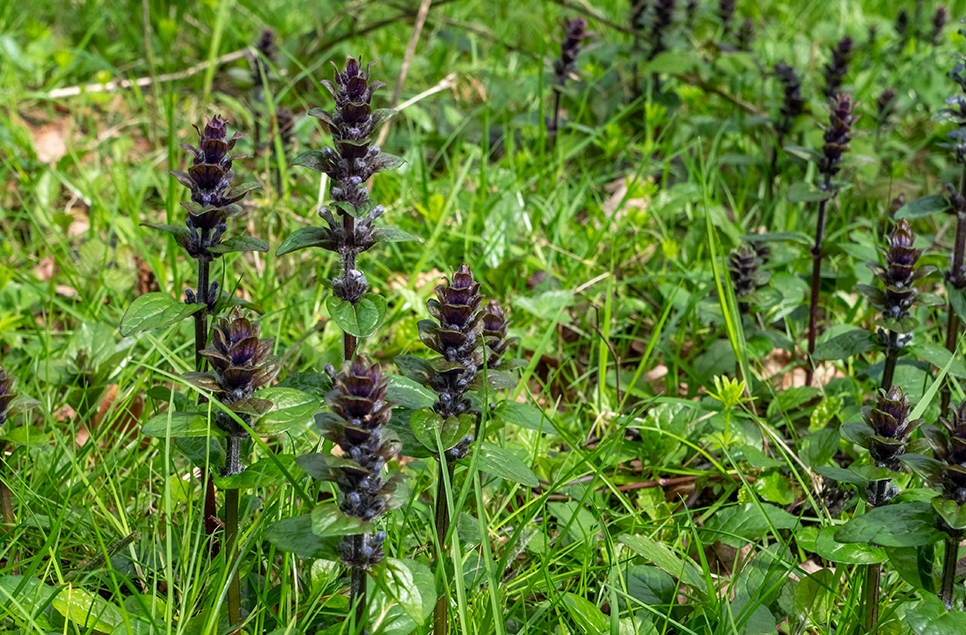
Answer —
(180, 232)
(32, 598)
(426, 424)
(953, 514)
(239, 243)
(181, 424)
(899, 525)
(360, 319)
(328, 521)
(854, 342)
(923, 206)
(842, 475)
(154, 311)
(28, 435)
(294, 535)
(504, 464)
(405, 392)
(660, 554)
(932, 618)
(651, 585)
(386, 234)
(844, 552)
(409, 583)
(313, 159)
(737, 525)
(586, 615)
(523, 415)
(802, 192)
(86, 610)
(957, 299)
(290, 408)
(262, 473)
(304, 237)
(915, 565)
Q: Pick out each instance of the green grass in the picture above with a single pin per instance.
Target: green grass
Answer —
(622, 302)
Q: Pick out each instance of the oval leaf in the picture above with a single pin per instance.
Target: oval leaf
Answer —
(360, 319)
(302, 238)
(847, 553)
(290, 408)
(239, 243)
(154, 311)
(181, 424)
(504, 464)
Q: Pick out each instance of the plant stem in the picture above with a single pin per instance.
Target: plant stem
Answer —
(816, 282)
(950, 558)
(6, 496)
(958, 282)
(357, 588)
(892, 357)
(873, 573)
(201, 317)
(556, 116)
(441, 613)
(231, 543)
(201, 340)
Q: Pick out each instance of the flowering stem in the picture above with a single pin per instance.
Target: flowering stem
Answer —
(816, 283)
(892, 357)
(441, 613)
(949, 571)
(201, 317)
(556, 117)
(873, 572)
(958, 282)
(357, 588)
(231, 541)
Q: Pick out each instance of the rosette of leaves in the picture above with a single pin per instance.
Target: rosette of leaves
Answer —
(357, 423)
(747, 276)
(837, 68)
(349, 223)
(895, 298)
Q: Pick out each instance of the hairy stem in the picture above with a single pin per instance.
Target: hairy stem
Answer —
(441, 613)
(201, 317)
(231, 543)
(892, 357)
(950, 558)
(816, 282)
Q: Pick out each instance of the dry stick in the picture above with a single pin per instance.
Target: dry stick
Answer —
(958, 282)
(816, 281)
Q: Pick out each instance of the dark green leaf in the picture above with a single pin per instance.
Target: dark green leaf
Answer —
(328, 521)
(360, 319)
(181, 424)
(290, 408)
(314, 160)
(737, 525)
(154, 311)
(845, 345)
(393, 235)
(238, 244)
(802, 192)
(304, 237)
(846, 553)
(506, 465)
(405, 392)
(586, 615)
(932, 618)
(681, 567)
(411, 584)
(952, 513)
(898, 525)
(923, 206)
(523, 415)
(295, 535)
(262, 473)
